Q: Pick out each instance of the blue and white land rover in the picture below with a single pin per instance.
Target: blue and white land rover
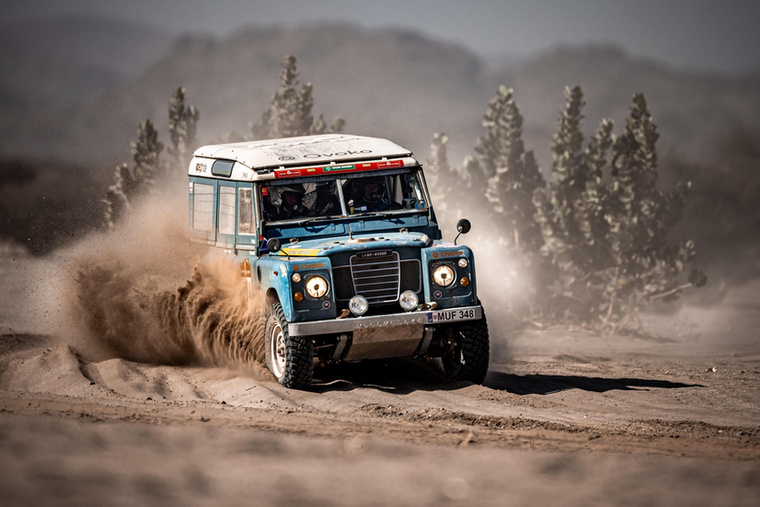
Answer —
(339, 235)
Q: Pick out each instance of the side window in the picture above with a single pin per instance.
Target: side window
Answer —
(203, 203)
(222, 168)
(245, 211)
(226, 210)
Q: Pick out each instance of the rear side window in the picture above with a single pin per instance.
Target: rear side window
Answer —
(226, 210)
(203, 207)
(222, 168)
(245, 211)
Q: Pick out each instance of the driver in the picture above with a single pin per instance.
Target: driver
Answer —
(372, 197)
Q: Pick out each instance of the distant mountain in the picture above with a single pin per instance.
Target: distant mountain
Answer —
(688, 108)
(385, 82)
(66, 60)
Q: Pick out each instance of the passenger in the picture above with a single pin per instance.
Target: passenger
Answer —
(292, 204)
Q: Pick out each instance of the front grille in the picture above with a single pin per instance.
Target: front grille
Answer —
(376, 275)
(410, 279)
(344, 285)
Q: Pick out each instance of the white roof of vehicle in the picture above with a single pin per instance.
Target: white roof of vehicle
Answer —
(307, 150)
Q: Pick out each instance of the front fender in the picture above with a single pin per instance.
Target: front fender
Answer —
(276, 277)
(457, 294)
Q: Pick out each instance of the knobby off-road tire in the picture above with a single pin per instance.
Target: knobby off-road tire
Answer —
(465, 355)
(289, 358)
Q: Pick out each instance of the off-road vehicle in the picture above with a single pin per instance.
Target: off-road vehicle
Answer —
(339, 235)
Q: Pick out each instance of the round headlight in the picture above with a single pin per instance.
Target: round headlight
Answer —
(408, 300)
(358, 305)
(316, 286)
(443, 275)
(462, 262)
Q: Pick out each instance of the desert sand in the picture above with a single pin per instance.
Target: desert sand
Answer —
(566, 416)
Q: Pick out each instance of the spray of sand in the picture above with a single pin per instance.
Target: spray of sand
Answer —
(132, 294)
(207, 320)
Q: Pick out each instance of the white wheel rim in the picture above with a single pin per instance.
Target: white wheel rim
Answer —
(278, 353)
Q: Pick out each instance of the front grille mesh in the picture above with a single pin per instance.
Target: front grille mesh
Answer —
(410, 275)
(344, 285)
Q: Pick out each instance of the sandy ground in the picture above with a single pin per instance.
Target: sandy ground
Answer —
(566, 417)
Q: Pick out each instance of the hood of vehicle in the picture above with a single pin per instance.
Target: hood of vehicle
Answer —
(357, 243)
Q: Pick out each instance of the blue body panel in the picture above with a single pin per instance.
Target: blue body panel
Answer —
(359, 242)
(314, 257)
(274, 272)
(457, 294)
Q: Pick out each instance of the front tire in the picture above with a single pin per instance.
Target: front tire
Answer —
(289, 358)
(466, 350)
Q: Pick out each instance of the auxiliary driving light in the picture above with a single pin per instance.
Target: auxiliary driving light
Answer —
(358, 305)
(462, 262)
(296, 277)
(408, 300)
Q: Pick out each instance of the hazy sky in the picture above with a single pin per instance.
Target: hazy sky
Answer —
(694, 34)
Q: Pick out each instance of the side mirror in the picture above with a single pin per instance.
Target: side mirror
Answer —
(273, 245)
(463, 227)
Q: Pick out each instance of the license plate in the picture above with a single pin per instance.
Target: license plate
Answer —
(451, 315)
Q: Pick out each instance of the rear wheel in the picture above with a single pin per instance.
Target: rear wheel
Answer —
(465, 351)
(289, 358)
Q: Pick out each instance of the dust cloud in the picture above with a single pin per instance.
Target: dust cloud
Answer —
(503, 290)
(129, 288)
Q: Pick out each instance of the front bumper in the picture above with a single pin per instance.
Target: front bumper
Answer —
(351, 324)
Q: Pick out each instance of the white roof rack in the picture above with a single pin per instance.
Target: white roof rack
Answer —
(308, 150)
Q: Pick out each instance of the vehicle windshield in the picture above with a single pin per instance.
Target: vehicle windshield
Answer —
(353, 194)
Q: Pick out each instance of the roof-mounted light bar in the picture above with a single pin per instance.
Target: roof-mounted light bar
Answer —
(343, 168)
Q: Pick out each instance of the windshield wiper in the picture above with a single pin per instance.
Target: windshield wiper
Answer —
(310, 220)
(378, 214)
(363, 214)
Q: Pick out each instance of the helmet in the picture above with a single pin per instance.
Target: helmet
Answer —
(293, 190)
(372, 189)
